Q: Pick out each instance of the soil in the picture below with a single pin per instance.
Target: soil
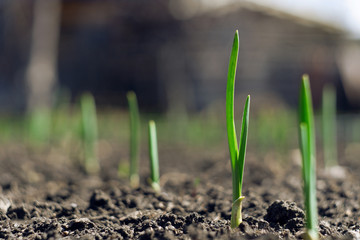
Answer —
(47, 196)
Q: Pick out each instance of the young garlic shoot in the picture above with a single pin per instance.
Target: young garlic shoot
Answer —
(237, 154)
(329, 126)
(154, 157)
(134, 139)
(89, 132)
(308, 152)
(39, 126)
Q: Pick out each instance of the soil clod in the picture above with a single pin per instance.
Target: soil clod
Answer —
(285, 214)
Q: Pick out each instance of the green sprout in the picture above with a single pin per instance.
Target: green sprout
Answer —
(154, 157)
(329, 126)
(237, 154)
(308, 152)
(40, 126)
(134, 139)
(89, 132)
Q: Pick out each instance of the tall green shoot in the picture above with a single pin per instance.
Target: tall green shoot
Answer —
(329, 126)
(237, 154)
(134, 139)
(308, 151)
(89, 132)
(154, 157)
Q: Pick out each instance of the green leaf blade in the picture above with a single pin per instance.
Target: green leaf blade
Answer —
(306, 111)
(243, 142)
(304, 147)
(230, 88)
(308, 151)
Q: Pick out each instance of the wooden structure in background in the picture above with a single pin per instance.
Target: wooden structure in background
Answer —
(110, 47)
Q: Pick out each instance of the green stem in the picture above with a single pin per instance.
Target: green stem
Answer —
(236, 216)
(89, 131)
(134, 139)
(329, 126)
(154, 157)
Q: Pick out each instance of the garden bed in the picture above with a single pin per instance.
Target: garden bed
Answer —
(47, 196)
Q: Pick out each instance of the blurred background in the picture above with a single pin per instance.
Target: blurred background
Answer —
(174, 54)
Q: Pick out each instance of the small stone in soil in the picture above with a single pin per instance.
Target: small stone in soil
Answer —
(4, 204)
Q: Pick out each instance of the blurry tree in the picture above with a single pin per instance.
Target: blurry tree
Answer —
(41, 72)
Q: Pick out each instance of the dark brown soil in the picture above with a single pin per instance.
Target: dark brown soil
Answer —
(46, 196)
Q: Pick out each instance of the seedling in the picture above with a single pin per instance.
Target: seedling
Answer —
(308, 151)
(89, 132)
(329, 126)
(40, 126)
(237, 154)
(134, 139)
(154, 157)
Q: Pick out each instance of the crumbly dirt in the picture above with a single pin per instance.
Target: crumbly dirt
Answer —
(48, 196)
